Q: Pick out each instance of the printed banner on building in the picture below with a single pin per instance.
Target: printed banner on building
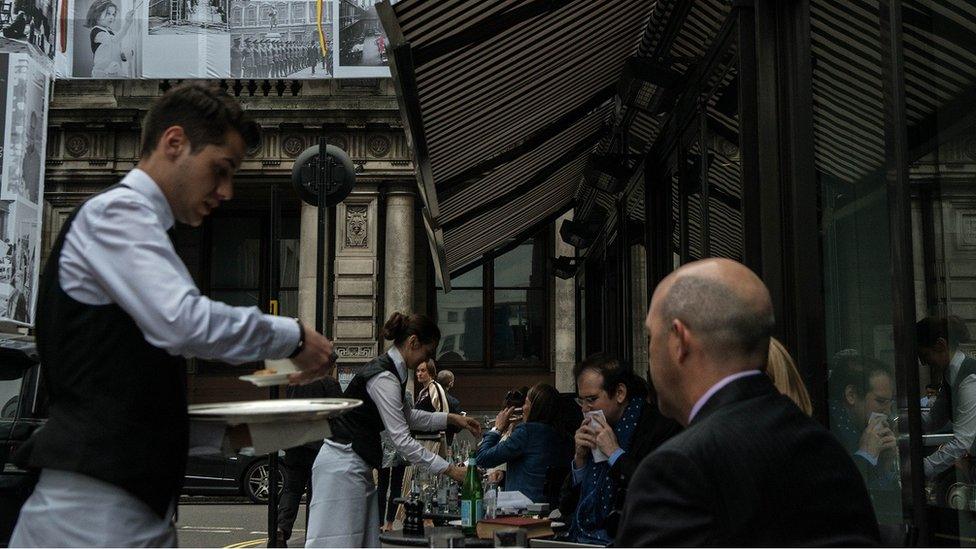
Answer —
(28, 24)
(23, 98)
(127, 39)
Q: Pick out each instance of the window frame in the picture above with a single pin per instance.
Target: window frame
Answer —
(488, 289)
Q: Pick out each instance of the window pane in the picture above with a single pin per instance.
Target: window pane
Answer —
(518, 321)
(943, 191)
(850, 161)
(288, 303)
(470, 279)
(520, 268)
(236, 252)
(289, 262)
(460, 318)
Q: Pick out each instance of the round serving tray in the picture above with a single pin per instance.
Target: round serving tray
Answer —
(266, 411)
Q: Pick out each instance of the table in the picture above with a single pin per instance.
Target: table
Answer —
(397, 538)
(440, 519)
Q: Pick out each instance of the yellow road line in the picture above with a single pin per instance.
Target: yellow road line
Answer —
(245, 544)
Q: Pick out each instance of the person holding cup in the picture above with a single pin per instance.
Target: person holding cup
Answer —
(620, 426)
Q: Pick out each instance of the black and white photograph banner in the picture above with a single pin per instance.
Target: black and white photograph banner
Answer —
(23, 98)
(294, 39)
(362, 42)
(106, 38)
(28, 24)
(279, 39)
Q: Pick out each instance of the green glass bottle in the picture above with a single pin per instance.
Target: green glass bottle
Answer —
(472, 498)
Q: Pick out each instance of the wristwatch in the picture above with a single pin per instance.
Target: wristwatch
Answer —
(301, 339)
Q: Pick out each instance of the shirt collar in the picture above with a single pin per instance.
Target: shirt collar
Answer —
(954, 366)
(140, 182)
(716, 388)
(401, 365)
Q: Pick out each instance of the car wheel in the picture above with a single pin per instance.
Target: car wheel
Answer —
(255, 481)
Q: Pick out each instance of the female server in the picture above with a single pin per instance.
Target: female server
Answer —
(344, 510)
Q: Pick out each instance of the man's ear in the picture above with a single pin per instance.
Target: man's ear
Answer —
(679, 337)
(850, 395)
(173, 142)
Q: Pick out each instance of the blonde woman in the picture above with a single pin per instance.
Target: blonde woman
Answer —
(782, 370)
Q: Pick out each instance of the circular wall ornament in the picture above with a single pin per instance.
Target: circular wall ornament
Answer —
(379, 145)
(76, 145)
(293, 145)
(338, 142)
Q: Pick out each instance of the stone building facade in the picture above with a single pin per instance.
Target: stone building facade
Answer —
(378, 255)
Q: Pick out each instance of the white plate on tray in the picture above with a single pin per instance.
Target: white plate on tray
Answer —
(267, 380)
(283, 367)
(265, 411)
(555, 525)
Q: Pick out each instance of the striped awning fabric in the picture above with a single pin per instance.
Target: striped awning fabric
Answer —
(939, 43)
(697, 26)
(503, 100)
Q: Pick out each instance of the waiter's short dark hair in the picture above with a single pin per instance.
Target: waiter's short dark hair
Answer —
(206, 114)
(952, 329)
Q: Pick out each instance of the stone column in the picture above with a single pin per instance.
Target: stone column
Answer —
(398, 282)
(564, 319)
(306, 265)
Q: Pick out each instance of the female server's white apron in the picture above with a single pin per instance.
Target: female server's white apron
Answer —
(343, 489)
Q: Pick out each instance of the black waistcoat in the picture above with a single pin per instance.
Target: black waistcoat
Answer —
(362, 425)
(117, 404)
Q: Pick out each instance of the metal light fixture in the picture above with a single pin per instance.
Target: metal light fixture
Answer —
(565, 267)
(610, 172)
(648, 86)
(576, 234)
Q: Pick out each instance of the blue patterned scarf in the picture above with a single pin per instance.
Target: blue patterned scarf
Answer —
(598, 493)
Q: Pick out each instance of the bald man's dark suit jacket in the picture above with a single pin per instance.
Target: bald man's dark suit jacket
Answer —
(750, 470)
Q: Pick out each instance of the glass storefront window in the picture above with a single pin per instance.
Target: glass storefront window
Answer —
(512, 288)
(518, 324)
(461, 320)
(850, 160)
(940, 79)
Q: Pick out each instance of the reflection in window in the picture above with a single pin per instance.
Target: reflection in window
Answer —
(516, 296)
(461, 339)
(518, 324)
(850, 161)
(9, 397)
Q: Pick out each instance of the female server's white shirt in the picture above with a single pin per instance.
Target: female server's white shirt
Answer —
(344, 509)
(118, 251)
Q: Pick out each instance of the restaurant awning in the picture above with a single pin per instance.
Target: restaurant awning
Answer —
(503, 101)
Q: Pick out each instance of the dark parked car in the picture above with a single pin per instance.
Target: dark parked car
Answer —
(23, 408)
(242, 474)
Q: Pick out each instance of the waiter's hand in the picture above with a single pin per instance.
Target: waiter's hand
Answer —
(456, 472)
(315, 360)
(464, 422)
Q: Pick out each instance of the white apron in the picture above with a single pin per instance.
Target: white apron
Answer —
(344, 511)
(73, 510)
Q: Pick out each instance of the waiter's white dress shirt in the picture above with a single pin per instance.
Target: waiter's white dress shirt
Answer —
(963, 422)
(118, 251)
(397, 411)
